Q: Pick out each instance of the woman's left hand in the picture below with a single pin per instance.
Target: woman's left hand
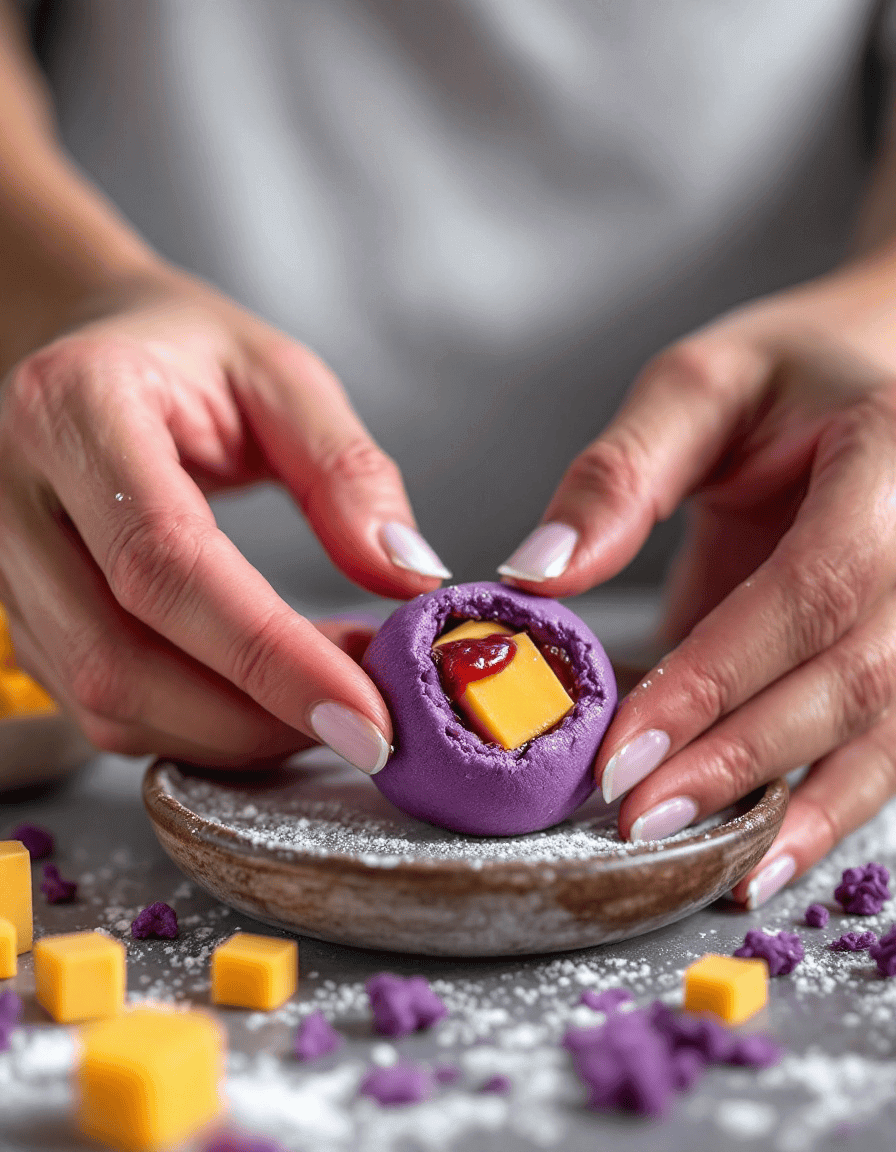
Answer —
(778, 424)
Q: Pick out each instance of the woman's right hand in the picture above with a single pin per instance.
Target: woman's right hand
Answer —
(125, 599)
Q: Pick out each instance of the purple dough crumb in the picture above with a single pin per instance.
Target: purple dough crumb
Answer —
(446, 1074)
(781, 953)
(863, 891)
(10, 1014)
(607, 1001)
(238, 1142)
(883, 953)
(316, 1037)
(498, 1084)
(157, 920)
(755, 1052)
(817, 915)
(400, 1084)
(701, 1034)
(37, 840)
(625, 1064)
(854, 942)
(687, 1068)
(57, 890)
(402, 1005)
(637, 1061)
(10, 1008)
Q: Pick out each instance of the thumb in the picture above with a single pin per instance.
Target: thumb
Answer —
(682, 411)
(350, 491)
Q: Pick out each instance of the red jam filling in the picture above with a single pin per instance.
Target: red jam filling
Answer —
(460, 662)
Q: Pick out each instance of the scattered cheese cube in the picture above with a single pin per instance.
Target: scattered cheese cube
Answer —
(473, 630)
(7, 655)
(259, 972)
(519, 702)
(8, 961)
(149, 1078)
(79, 976)
(20, 695)
(15, 890)
(733, 989)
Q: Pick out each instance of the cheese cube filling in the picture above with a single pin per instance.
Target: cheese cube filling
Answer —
(521, 699)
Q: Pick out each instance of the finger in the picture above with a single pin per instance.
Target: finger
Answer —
(350, 491)
(350, 633)
(119, 680)
(829, 570)
(800, 719)
(153, 536)
(840, 794)
(682, 412)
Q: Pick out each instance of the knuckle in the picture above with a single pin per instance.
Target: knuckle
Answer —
(706, 697)
(694, 364)
(736, 762)
(358, 461)
(866, 684)
(150, 562)
(99, 682)
(611, 469)
(253, 664)
(824, 595)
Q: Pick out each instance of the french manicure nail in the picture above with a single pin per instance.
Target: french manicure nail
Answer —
(543, 555)
(633, 762)
(350, 735)
(407, 549)
(664, 820)
(771, 879)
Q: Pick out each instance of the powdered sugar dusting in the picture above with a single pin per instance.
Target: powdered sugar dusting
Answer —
(325, 809)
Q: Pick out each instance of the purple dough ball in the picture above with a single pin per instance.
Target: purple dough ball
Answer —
(442, 772)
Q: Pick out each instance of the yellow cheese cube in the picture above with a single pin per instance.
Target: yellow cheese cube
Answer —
(7, 655)
(15, 890)
(518, 703)
(732, 988)
(149, 1078)
(473, 630)
(21, 696)
(258, 972)
(79, 976)
(8, 962)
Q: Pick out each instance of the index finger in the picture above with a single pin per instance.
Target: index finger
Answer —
(152, 533)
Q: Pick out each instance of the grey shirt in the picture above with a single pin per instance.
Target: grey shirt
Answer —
(484, 214)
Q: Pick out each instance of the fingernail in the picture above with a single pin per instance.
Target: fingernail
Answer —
(543, 555)
(664, 820)
(350, 735)
(770, 880)
(407, 549)
(633, 762)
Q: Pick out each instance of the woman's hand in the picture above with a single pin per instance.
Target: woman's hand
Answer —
(125, 600)
(778, 423)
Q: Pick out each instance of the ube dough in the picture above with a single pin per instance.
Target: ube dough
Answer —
(441, 771)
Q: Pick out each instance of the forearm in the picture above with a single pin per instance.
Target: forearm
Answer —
(63, 246)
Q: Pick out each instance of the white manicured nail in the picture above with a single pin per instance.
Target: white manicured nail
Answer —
(664, 819)
(543, 555)
(770, 880)
(633, 762)
(350, 735)
(407, 549)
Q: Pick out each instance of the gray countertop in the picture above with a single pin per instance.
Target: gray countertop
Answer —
(835, 1088)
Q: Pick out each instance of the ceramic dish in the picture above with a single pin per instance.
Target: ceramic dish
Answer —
(315, 848)
(39, 749)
